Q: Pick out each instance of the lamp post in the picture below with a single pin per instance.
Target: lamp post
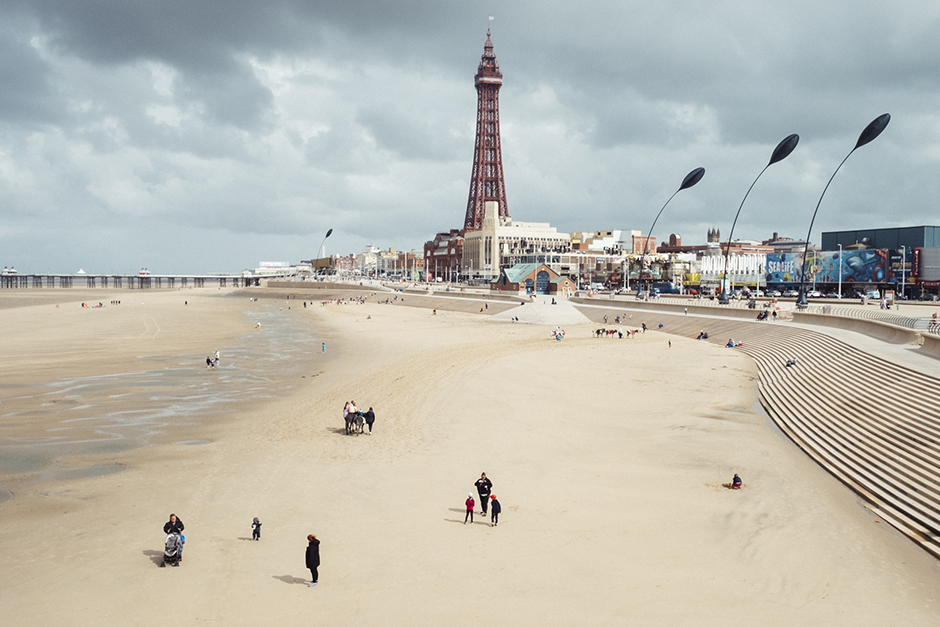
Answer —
(840, 270)
(321, 252)
(781, 152)
(872, 131)
(690, 179)
(903, 268)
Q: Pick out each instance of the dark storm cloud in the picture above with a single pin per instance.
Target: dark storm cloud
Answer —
(271, 122)
(26, 95)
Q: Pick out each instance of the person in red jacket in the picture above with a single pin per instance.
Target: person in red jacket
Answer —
(469, 503)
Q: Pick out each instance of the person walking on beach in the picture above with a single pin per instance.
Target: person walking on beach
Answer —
(495, 509)
(175, 526)
(256, 529)
(469, 503)
(313, 559)
(484, 487)
(323, 348)
(370, 418)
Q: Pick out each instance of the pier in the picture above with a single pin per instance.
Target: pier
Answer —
(122, 281)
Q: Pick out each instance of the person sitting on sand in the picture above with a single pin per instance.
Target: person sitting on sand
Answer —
(730, 343)
(736, 482)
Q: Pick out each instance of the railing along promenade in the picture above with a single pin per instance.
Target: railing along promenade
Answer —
(120, 281)
(872, 423)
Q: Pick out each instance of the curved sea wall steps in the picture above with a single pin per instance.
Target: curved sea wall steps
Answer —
(872, 423)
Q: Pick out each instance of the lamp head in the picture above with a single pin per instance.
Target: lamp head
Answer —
(784, 148)
(692, 178)
(873, 129)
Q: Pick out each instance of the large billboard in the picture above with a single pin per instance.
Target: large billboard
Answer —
(901, 266)
(783, 267)
(847, 266)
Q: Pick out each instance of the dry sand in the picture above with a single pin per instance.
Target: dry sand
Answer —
(607, 455)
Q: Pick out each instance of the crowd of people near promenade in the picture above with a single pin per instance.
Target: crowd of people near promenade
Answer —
(352, 300)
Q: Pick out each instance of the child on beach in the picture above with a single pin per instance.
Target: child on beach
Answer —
(495, 509)
(469, 503)
(256, 529)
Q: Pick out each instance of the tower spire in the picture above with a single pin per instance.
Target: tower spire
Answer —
(486, 180)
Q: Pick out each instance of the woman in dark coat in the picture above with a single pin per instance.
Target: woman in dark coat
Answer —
(313, 559)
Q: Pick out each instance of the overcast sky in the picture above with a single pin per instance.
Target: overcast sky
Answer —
(209, 135)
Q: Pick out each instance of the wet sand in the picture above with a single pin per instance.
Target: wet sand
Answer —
(608, 457)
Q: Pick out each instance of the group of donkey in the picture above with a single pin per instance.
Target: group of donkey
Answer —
(354, 422)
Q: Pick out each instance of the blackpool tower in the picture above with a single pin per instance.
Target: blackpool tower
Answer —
(486, 182)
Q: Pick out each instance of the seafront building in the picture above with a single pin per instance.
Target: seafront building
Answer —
(501, 242)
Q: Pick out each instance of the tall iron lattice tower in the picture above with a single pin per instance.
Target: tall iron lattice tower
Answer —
(486, 182)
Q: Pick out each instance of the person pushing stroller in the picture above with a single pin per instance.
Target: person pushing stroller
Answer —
(173, 545)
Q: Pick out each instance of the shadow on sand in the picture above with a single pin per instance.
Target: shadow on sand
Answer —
(290, 579)
(155, 556)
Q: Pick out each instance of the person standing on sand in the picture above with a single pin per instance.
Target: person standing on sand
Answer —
(313, 559)
(495, 509)
(370, 418)
(323, 348)
(469, 503)
(256, 529)
(484, 486)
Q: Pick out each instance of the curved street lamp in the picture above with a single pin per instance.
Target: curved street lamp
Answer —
(873, 130)
(690, 179)
(321, 251)
(781, 152)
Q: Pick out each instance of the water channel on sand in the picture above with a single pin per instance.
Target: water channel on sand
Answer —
(96, 415)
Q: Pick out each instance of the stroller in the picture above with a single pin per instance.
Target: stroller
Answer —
(173, 550)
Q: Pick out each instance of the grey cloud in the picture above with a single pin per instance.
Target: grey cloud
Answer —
(26, 96)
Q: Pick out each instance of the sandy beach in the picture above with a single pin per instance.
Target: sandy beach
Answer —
(608, 456)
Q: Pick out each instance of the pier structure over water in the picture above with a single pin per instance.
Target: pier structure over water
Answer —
(121, 281)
